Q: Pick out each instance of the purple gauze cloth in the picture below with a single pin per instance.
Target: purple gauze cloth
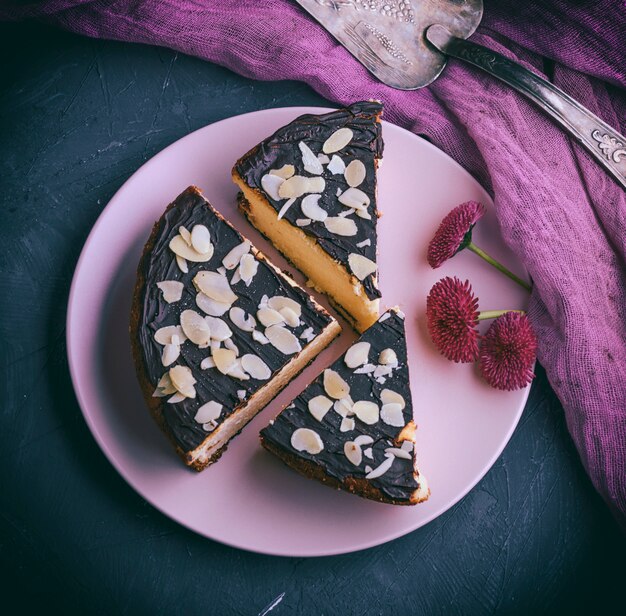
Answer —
(558, 210)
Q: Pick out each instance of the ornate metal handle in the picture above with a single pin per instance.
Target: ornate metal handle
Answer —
(602, 141)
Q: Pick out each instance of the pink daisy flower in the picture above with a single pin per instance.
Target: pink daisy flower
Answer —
(507, 352)
(452, 318)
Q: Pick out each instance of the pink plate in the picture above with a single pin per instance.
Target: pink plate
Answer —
(249, 499)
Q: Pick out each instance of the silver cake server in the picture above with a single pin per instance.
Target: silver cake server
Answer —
(405, 44)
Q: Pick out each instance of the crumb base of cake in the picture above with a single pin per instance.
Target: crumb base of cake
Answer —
(324, 273)
(355, 485)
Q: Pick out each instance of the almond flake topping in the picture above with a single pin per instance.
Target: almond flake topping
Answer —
(286, 206)
(303, 222)
(388, 357)
(285, 172)
(207, 363)
(382, 468)
(209, 411)
(343, 407)
(182, 379)
(271, 184)
(260, 337)
(354, 198)
(311, 209)
(225, 360)
(323, 159)
(210, 306)
(361, 266)
(309, 160)
(248, 268)
(278, 302)
(195, 328)
(164, 387)
(367, 242)
(334, 385)
(347, 424)
(200, 239)
(184, 233)
(337, 141)
(282, 339)
(366, 411)
(336, 166)
(172, 290)
(269, 316)
(170, 352)
(219, 329)
(255, 367)
(215, 286)
(182, 264)
(366, 369)
(298, 185)
(241, 319)
(341, 226)
(291, 318)
(363, 439)
(231, 260)
(307, 334)
(241, 394)
(391, 414)
(180, 248)
(357, 354)
(304, 439)
(355, 173)
(387, 396)
(398, 453)
(353, 452)
(368, 453)
(165, 334)
(319, 406)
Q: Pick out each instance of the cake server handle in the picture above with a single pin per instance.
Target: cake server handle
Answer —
(603, 142)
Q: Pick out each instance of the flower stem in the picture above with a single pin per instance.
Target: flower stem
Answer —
(494, 314)
(481, 253)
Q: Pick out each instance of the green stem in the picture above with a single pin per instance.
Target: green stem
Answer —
(481, 253)
(494, 314)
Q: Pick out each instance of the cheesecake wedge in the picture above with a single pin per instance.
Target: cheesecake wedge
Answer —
(310, 188)
(352, 428)
(216, 329)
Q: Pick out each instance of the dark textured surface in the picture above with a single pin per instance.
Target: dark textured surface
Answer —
(77, 117)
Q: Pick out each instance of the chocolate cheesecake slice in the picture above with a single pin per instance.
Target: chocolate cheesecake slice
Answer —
(216, 329)
(352, 428)
(310, 188)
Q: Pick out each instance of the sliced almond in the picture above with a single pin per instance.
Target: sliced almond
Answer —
(237, 372)
(308, 334)
(319, 406)
(343, 407)
(323, 159)
(366, 411)
(304, 439)
(269, 316)
(303, 222)
(172, 290)
(285, 207)
(291, 318)
(366, 369)
(286, 171)
(369, 453)
(317, 184)
(182, 264)
(219, 328)
(341, 226)
(255, 367)
(215, 286)
(184, 233)
(309, 160)
(387, 396)
(207, 363)
(311, 209)
(361, 266)
(260, 337)
(170, 353)
(231, 260)
(210, 306)
(177, 397)
(354, 198)
(381, 469)
(271, 184)
(336, 165)
(398, 453)
(283, 340)
(278, 302)
(353, 452)
(248, 267)
(363, 214)
(337, 141)
(355, 173)
(388, 357)
(347, 424)
(334, 385)
(294, 187)
(391, 414)
(164, 387)
(180, 247)
(200, 239)
(364, 439)
(165, 334)
(183, 381)
(229, 344)
(195, 327)
(225, 360)
(241, 394)
(241, 319)
(357, 354)
(210, 411)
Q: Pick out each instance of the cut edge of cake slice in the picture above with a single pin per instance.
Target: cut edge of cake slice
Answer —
(216, 441)
(307, 235)
(324, 436)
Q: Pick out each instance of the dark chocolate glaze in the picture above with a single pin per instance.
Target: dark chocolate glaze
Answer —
(399, 482)
(367, 146)
(189, 209)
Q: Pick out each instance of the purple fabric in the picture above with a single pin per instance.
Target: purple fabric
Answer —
(559, 212)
